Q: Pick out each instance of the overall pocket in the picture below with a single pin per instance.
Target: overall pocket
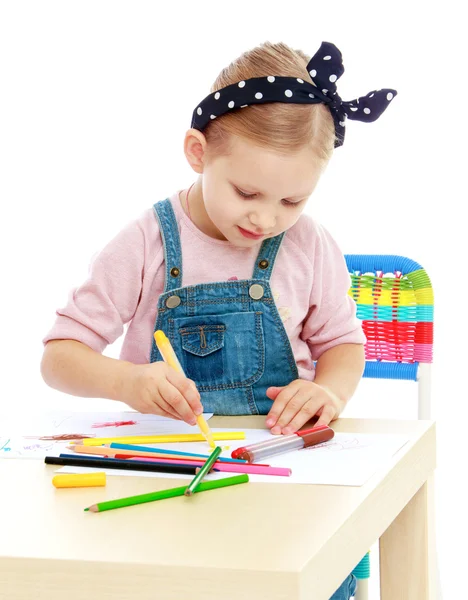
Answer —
(220, 351)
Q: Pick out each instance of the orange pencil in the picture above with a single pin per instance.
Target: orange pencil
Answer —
(106, 451)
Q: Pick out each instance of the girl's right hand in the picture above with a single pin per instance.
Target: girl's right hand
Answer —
(157, 388)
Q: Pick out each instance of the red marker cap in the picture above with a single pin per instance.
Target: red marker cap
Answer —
(303, 432)
(235, 453)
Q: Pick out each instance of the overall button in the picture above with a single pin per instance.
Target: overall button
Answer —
(256, 291)
(263, 264)
(175, 272)
(172, 301)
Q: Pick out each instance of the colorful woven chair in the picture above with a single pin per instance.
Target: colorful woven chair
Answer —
(395, 303)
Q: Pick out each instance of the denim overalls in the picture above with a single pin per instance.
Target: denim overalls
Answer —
(228, 336)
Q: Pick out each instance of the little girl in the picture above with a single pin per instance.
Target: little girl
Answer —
(249, 290)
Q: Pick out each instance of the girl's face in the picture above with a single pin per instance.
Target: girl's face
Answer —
(254, 194)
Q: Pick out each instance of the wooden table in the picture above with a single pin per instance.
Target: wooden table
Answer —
(247, 542)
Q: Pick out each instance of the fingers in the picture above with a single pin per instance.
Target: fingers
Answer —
(272, 392)
(297, 403)
(282, 398)
(156, 388)
(300, 408)
(327, 415)
(154, 404)
(155, 409)
(164, 407)
(176, 391)
(187, 389)
(305, 413)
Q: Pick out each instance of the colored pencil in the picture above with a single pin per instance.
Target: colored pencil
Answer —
(206, 468)
(167, 451)
(112, 463)
(115, 452)
(161, 439)
(170, 357)
(163, 494)
(253, 469)
(182, 460)
(206, 431)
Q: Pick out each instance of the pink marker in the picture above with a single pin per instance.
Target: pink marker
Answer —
(253, 469)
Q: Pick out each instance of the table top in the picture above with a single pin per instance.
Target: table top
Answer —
(249, 541)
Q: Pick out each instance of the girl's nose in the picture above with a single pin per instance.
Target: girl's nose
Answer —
(264, 220)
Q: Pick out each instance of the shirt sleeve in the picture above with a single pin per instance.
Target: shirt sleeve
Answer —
(331, 319)
(97, 310)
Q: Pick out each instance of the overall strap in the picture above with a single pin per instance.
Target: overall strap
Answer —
(171, 242)
(266, 257)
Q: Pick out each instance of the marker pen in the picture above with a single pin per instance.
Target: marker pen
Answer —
(296, 441)
(273, 440)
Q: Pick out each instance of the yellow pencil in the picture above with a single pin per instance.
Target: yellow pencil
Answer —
(161, 439)
(169, 356)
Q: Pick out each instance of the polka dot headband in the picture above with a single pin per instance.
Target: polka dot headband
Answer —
(324, 68)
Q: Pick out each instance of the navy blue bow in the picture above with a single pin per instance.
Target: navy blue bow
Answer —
(324, 68)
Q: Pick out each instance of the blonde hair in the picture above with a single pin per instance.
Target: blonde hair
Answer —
(284, 128)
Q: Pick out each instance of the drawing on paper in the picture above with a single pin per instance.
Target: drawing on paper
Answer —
(60, 437)
(114, 424)
(350, 443)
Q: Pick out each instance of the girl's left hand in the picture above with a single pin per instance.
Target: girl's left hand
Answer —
(298, 402)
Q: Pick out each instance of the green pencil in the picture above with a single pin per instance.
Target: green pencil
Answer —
(163, 494)
(206, 468)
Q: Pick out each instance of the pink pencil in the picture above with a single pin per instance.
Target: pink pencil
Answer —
(253, 469)
(233, 467)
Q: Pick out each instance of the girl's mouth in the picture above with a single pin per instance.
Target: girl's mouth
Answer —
(249, 234)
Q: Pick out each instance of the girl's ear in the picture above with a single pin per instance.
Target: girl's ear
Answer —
(194, 149)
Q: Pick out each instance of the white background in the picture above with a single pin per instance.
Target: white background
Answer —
(95, 100)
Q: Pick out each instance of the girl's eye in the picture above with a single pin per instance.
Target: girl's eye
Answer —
(244, 195)
(285, 202)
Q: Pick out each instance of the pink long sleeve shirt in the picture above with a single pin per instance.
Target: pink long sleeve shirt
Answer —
(310, 283)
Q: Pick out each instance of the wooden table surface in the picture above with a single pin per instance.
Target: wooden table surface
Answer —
(254, 541)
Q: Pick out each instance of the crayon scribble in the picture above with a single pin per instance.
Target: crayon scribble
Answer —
(60, 437)
(57, 424)
(334, 446)
(39, 447)
(5, 447)
(114, 424)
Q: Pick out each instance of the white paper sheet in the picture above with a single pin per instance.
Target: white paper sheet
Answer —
(348, 459)
(39, 435)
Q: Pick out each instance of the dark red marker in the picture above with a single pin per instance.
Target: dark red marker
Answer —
(284, 443)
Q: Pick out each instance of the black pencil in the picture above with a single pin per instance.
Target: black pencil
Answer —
(115, 463)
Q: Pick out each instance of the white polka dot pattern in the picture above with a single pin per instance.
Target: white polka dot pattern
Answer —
(324, 68)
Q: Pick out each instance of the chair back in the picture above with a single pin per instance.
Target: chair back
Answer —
(395, 303)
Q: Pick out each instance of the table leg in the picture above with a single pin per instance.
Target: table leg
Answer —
(407, 550)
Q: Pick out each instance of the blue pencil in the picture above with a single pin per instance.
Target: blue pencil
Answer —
(176, 452)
